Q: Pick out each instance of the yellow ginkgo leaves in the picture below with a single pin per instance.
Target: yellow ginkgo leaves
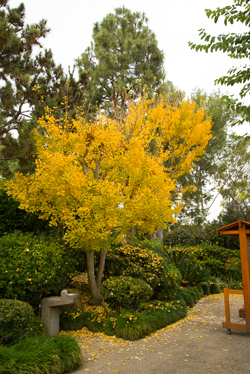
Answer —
(85, 171)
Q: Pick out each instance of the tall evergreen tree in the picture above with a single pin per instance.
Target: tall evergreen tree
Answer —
(123, 56)
(20, 73)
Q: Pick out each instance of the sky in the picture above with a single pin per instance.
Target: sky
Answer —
(174, 24)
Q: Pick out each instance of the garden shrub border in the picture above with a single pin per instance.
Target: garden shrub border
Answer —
(134, 325)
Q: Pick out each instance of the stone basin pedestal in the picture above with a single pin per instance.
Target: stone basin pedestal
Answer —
(51, 310)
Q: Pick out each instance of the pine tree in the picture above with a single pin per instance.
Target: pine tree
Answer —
(123, 57)
(20, 74)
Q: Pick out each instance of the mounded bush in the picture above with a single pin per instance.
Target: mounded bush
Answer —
(124, 292)
(16, 319)
(32, 266)
(145, 264)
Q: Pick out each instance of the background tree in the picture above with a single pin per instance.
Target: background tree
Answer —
(236, 45)
(20, 73)
(233, 178)
(196, 203)
(83, 176)
(123, 57)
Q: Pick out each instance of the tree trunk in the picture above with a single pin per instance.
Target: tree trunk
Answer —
(159, 235)
(202, 210)
(132, 231)
(101, 268)
(96, 297)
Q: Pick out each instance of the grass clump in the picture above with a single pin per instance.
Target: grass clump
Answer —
(131, 325)
(41, 356)
(189, 294)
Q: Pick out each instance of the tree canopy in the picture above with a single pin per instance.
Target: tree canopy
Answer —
(100, 178)
(236, 45)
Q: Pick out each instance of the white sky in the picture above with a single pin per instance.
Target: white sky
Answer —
(174, 23)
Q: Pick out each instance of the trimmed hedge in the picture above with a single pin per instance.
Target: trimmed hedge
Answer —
(17, 321)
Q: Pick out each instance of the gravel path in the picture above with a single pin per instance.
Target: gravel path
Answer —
(195, 344)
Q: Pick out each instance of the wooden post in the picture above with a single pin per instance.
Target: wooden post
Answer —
(240, 229)
(245, 272)
(226, 301)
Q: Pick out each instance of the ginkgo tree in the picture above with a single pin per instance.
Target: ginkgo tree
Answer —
(103, 177)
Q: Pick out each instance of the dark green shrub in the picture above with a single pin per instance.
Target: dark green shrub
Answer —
(214, 288)
(235, 285)
(125, 292)
(12, 218)
(183, 235)
(192, 271)
(145, 264)
(193, 235)
(75, 319)
(223, 263)
(41, 355)
(205, 287)
(15, 320)
(169, 283)
(33, 266)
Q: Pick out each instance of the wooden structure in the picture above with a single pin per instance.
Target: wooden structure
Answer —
(239, 229)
